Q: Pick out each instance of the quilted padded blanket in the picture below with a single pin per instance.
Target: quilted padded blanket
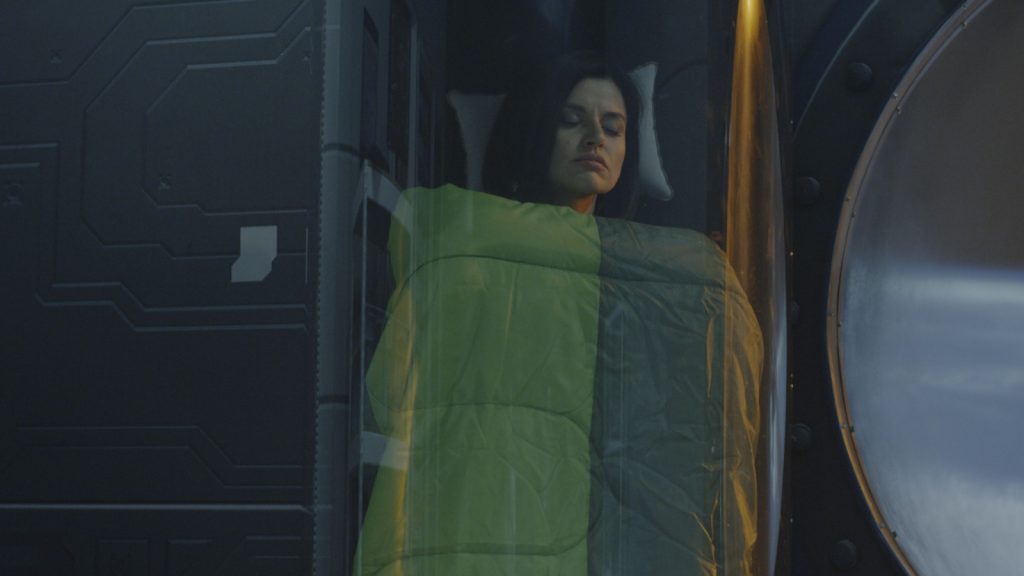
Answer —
(562, 395)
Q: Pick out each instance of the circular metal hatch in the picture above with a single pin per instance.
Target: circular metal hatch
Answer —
(926, 305)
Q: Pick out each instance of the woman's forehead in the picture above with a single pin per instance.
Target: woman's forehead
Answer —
(599, 94)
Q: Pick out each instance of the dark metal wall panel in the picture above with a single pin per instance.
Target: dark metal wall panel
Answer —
(802, 21)
(159, 169)
(169, 539)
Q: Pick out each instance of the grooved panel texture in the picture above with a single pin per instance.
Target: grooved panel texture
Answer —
(156, 417)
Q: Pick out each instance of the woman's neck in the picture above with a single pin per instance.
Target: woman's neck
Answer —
(584, 204)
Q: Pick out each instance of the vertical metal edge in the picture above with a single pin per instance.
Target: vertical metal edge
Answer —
(414, 91)
(328, 45)
(339, 172)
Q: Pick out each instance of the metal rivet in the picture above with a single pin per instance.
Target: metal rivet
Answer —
(858, 76)
(843, 555)
(801, 437)
(808, 190)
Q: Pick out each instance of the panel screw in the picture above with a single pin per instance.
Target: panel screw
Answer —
(808, 190)
(801, 437)
(843, 555)
(858, 76)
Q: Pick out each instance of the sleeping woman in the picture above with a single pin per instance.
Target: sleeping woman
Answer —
(564, 392)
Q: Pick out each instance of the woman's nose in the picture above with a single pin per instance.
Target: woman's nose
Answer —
(594, 136)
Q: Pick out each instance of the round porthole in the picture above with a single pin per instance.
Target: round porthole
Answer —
(926, 325)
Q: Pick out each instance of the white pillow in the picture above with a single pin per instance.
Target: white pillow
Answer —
(653, 181)
(476, 114)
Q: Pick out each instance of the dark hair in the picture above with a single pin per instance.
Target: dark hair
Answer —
(523, 138)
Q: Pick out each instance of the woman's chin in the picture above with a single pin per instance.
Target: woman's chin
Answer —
(583, 188)
(591, 185)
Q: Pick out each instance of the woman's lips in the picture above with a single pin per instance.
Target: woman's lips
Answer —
(592, 161)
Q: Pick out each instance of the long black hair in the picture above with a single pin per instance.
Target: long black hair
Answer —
(523, 138)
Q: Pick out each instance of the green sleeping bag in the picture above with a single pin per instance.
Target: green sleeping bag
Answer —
(562, 395)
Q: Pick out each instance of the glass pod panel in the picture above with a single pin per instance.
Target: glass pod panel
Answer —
(565, 239)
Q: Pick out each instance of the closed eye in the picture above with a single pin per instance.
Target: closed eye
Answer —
(570, 118)
(612, 124)
(614, 128)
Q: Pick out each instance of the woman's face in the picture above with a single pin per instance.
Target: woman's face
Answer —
(590, 143)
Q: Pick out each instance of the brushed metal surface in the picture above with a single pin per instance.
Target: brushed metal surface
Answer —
(927, 303)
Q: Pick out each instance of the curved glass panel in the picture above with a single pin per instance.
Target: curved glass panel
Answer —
(568, 287)
(930, 308)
